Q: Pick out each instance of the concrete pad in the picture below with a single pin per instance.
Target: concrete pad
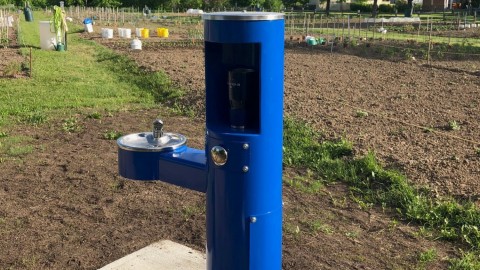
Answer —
(163, 255)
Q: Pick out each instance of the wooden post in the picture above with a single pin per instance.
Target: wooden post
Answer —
(31, 67)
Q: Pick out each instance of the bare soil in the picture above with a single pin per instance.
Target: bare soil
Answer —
(65, 207)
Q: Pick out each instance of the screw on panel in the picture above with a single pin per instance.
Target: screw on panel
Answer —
(253, 219)
(246, 146)
(245, 169)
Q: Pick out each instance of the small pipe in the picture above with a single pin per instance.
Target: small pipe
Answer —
(157, 129)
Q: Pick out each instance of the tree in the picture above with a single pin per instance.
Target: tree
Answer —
(273, 5)
(375, 8)
(327, 8)
(409, 11)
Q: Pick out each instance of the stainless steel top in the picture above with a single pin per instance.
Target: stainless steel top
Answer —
(243, 16)
(146, 142)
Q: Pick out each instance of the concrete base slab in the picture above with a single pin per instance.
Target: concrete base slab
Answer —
(163, 255)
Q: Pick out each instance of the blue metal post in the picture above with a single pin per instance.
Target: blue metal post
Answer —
(244, 195)
(241, 167)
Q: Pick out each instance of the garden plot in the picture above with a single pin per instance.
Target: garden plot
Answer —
(64, 206)
(422, 120)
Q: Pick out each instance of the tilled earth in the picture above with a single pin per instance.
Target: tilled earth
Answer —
(65, 207)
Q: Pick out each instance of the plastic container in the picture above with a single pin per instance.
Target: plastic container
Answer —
(127, 33)
(138, 32)
(145, 33)
(27, 11)
(107, 33)
(121, 32)
(136, 44)
(162, 32)
(88, 25)
(48, 40)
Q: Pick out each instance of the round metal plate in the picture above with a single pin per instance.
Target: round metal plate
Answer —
(145, 142)
(243, 16)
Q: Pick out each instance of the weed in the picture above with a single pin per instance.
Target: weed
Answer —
(393, 224)
(305, 183)
(20, 150)
(468, 261)
(319, 226)
(477, 151)
(71, 125)
(370, 183)
(352, 234)
(292, 229)
(453, 125)
(94, 115)
(35, 118)
(361, 113)
(118, 185)
(428, 129)
(3, 134)
(15, 146)
(112, 135)
(427, 257)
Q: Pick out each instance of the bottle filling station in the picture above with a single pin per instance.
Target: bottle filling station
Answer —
(240, 169)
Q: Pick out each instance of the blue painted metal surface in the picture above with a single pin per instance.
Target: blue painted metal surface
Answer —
(244, 209)
(244, 63)
(183, 167)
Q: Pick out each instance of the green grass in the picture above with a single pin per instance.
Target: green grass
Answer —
(14, 146)
(85, 76)
(372, 184)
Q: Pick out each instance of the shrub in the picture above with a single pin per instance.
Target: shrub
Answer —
(367, 8)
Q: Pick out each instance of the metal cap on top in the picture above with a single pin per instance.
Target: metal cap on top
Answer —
(243, 16)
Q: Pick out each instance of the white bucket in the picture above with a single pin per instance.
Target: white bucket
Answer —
(48, 39)
(138, 32)
(136, 44)
(109, 32)
(89, 28)
(127, 33)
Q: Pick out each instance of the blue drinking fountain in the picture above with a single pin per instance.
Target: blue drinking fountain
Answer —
(240, 169)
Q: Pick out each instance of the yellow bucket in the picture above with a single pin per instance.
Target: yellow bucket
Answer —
(145, 33)
(162, 32)
(165, 32)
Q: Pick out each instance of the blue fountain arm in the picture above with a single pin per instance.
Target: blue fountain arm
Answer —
(183, 166)
(185, 169)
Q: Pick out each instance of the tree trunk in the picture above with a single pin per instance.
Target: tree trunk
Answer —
(375, 8)
(409, 11)
(327, 8)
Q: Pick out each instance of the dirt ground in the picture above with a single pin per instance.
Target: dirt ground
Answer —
(65, 207)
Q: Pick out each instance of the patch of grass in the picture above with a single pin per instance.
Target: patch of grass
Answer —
(468, 261)
(112, 135)
(15, 146)
(74, 79)
(319, 226)
(453, 125)
(361, 113)
(428, 129)
(118, 185)
(35, 118)
(427, 257)
(94, 115)
(371, 183)
(156, 83)
(352, 234)
(3, 134)
(71, 125)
